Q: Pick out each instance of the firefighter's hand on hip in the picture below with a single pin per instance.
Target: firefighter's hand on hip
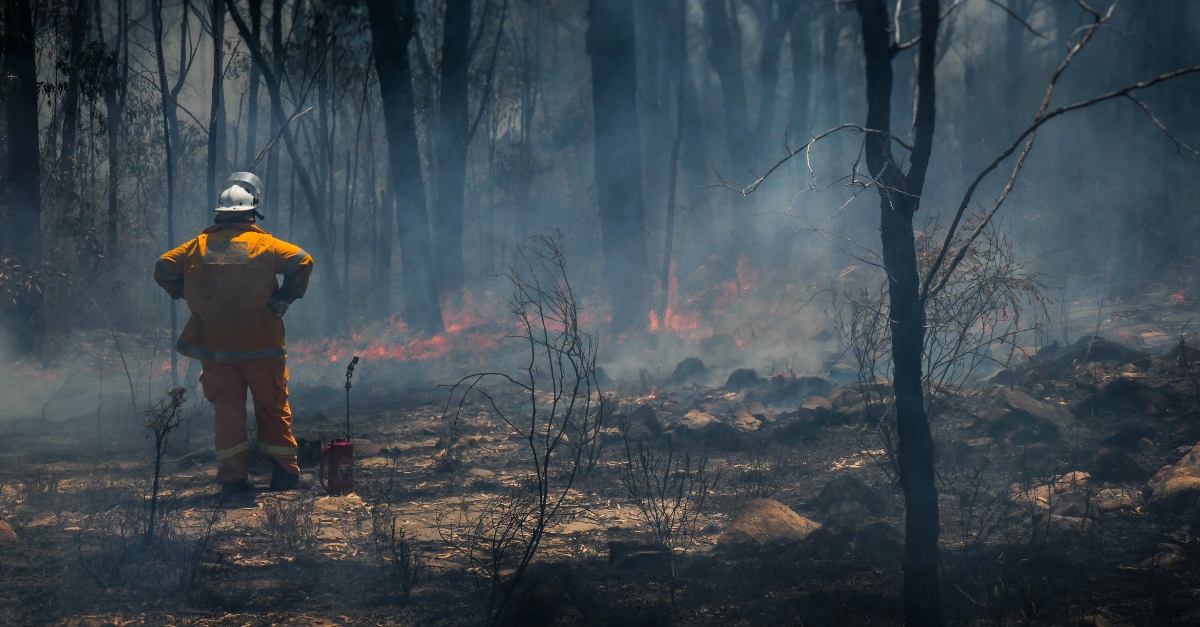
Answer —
(278, 306)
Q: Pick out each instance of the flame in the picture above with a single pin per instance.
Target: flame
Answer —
(1178, 297)
(467, 332)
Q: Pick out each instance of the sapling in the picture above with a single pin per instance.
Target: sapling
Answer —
(161, 419)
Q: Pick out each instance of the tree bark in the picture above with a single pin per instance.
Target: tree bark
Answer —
(799, 123)
(167, 104)
(899, 199)
(80, 23)
(216, 119)
(252, 98)
(391, 32)
(115, 92)
(453, 127)
(274, 190)
(27, 324)
(830, 95)
(618, 161)
(334, 303)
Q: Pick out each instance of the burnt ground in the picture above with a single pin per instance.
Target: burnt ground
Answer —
(1047, 517)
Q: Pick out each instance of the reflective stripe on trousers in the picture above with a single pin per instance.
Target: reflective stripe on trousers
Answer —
(226, 453)
(225, 385)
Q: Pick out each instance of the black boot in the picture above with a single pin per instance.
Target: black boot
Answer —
(240, 487)
(281, 479)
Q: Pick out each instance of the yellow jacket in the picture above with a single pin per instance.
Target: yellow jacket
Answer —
(227, 275)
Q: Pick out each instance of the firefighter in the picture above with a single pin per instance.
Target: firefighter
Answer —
(227, 276)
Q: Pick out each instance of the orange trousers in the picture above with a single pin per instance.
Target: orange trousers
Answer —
(225, 385)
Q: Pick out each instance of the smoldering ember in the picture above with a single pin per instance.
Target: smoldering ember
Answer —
(600, 312)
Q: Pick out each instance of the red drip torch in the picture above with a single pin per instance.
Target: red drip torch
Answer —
(338, 457)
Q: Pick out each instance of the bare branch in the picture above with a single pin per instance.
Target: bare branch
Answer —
(1013, 15)
(749, 189)
(1180, 146)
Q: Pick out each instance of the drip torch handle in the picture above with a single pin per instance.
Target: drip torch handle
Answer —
(349, 375)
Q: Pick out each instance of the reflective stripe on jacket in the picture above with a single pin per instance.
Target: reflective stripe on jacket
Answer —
(227, 276)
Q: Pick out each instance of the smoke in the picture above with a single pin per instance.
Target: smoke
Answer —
(1104, 199)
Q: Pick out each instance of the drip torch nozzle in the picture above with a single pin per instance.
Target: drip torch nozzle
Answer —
(349, 375)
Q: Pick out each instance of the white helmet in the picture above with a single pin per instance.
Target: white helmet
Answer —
(241, 193)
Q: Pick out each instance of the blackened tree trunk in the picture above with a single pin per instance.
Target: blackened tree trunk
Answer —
(899, 199)
(252, 98)
(799, 122)
(80, 24)
(22, 223)
(116, 78)
(391, 31)
(331, 285)
(168, 104)
(618, 161)
(216, 119)
(274, 189)
(452, 145)
(693, 160)
(830, 94)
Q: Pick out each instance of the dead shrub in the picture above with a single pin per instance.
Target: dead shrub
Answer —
(108, 540)
(289, 524)
(554, 406)
(401, 561)
(669, 489)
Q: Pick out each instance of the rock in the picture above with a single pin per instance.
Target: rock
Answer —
(1018, 426)
(1066, 499)
(688, 369)
(1176, 487)
(1093, 349)
(1018, 400)
(879, 543)
(1110, 499)
(847, 496)
(743, 379)
(844, 399)
(817, 403)
(766, 523)
(643, 423)
(758, 410)
(788, 391)
(696, 420)
(1168, 555)
(1146, 445)
(1095, 620)
(7, 535)
(635, 554)
(746, 423)
(1127, 395)
(1127, 436)
(1116, 465)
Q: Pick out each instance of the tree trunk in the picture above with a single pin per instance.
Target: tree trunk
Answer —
(453, 127)
(618, 161)
(252, 103)
(80, 23)
(334, 303)
(116, 79)
(799, 123)
(391, 32)
(167, 104)
(693, 158)
(830, 96)
(274, 189)
(899, 199)
(216, 119)
(27, 324)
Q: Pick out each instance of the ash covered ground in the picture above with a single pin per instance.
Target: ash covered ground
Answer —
(1068, 488)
